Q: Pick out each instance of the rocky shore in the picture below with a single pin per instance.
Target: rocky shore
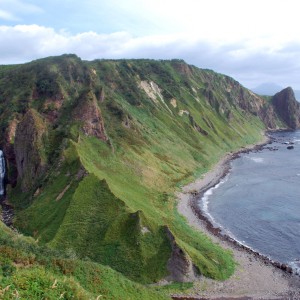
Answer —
(7, 212)
(256, 276)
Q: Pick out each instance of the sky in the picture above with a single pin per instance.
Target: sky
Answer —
(253, 41)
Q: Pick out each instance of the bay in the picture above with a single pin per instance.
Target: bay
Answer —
(258, 202)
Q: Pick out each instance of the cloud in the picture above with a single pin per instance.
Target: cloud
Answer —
(251, 62)
(13, 10)
(7, 16)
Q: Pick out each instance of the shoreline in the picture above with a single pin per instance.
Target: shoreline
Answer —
(256, 275)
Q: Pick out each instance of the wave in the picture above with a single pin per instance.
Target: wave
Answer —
(284, 263)
(203, 203)
(296, 140)
(226, 233)
(256, 159)
(295, 265)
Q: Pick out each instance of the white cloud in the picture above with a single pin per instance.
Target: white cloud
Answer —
(254, 41)
(7, 16)
(13, 10)
(249, 61)
(218, 20)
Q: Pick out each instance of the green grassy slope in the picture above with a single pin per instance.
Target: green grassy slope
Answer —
(28, 271)
(109, 196)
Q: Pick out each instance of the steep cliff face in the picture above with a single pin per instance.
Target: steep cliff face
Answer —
(269, 117)
(180, 264)
(89, 115)
(29, 146)
(100, 147)
(8, 148)
(287, 107)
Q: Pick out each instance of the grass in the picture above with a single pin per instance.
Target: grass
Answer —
(41, 213)
(115, 212)
(97, 225)
(29, 271)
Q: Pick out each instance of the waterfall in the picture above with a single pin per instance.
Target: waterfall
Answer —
(2, 173)
(7, 210)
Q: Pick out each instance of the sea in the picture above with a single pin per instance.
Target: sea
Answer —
(258, 202)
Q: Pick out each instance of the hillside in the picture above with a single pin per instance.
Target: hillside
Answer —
(96, 150)
(29, 271)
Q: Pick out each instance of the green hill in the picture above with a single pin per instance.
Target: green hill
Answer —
(96, 151)
(30, 271)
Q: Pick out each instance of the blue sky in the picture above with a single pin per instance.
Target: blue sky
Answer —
(253, 41)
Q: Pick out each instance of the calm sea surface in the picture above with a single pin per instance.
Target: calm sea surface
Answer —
(258, 203)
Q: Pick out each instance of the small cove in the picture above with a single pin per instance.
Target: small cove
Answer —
(258, 202)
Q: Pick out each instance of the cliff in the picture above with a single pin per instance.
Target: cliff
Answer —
(89, 115)
(287, 107)
(96, 151)
(29, 146)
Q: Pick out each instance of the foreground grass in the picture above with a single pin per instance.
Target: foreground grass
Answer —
(28, 271)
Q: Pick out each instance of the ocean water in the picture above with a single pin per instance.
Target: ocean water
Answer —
(258, 202)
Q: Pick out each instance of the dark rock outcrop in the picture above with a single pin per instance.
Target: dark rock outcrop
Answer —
(8, 149)
(268, 116)
(30, 149)
(197, 127)
(180, 265)
(287, 107)
(89, 114)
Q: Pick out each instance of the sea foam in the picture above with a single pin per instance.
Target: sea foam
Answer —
(257, 159)
(205, 201)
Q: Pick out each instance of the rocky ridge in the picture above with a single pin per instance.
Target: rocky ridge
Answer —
(287, 107)
(116, 120)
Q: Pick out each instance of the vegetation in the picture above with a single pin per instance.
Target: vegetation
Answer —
(30, 271)
(113, 161)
